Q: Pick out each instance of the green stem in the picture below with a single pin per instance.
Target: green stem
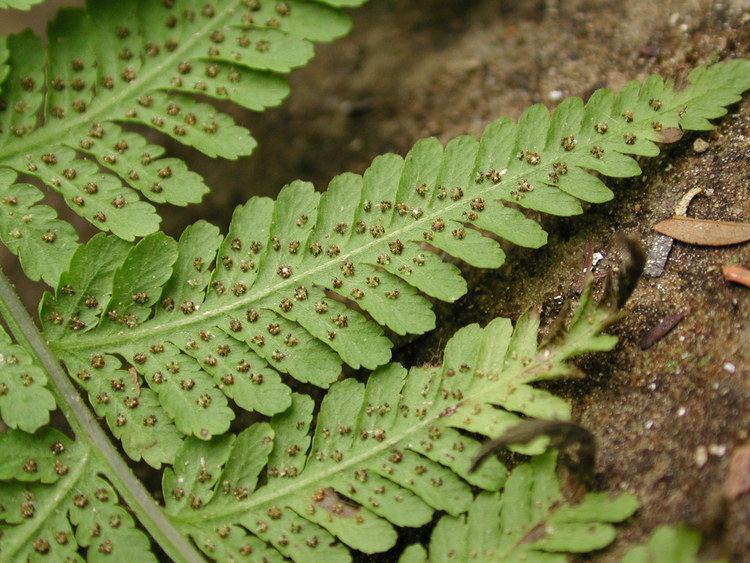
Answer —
(85, 426)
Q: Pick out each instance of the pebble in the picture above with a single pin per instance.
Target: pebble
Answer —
(555, 95)
(729, 367)
(717, 450)
(700, 146)
(701, 456)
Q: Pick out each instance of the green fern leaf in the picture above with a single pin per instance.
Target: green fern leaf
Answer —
(280, 296)
(528, 521)
(667, 544)
(388, 453)
(143, 62)
(43, 243)
(54, 501)
(25, 402)
(18, 5)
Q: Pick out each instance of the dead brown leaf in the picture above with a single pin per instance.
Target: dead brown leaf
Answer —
(661, 330)
(737, 482)
(704, 232)
(736, 274)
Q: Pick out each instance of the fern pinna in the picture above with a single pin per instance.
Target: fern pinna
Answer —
(385, 454)
(307, 282)
(136, 62)
(528, 521)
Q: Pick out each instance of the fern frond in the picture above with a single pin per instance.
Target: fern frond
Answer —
(296, 279)
(54, 501)
(678, 544)
(143, 62)
(528, 521)
(385, 454)
(18, 5)
(25, 401)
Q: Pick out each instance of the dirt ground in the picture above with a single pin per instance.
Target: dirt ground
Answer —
(666, 419)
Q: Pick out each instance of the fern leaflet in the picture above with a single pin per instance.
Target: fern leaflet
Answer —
(528, 521)
(25, 402)
(56, 503)
(388, 453)
(280, 298)
(678, 544)
(142, 62)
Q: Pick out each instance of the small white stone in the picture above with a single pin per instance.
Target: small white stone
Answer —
(596, 258)
(701, 456)
(649, 424)
(681, 411)
(555, 95)
(717, 449)
(700, 145)
(729, 367)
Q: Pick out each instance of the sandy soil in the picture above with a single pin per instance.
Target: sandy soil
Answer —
(446, 67)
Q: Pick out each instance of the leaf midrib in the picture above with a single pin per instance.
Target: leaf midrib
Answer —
(47, 134)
